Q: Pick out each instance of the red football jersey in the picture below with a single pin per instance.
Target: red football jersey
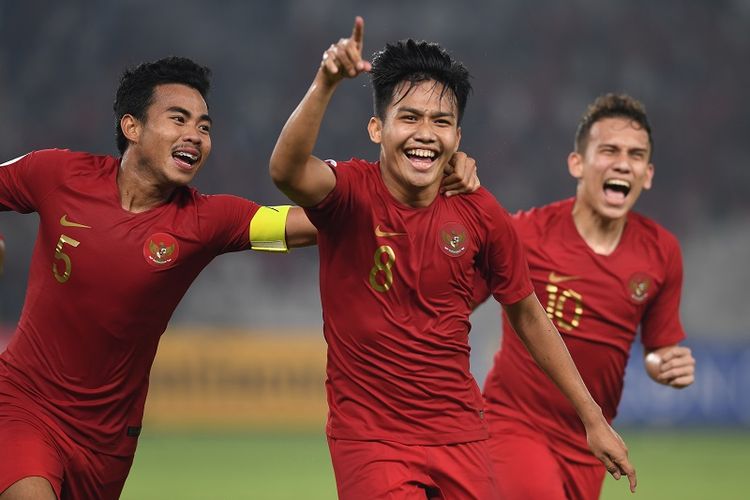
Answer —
(396, 289)
(597, 302)
(103, 284)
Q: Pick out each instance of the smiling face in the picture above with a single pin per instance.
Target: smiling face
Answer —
(614, 167)
(417, 137)
(171, 145)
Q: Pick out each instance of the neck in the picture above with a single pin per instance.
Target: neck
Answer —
(413, 196)
(138, 190)
(601, 234)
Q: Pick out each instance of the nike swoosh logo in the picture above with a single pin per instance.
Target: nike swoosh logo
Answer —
(385, 234)
(65, 222)
(556, 278)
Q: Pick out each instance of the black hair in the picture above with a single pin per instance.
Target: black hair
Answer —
(612, 106)
(136, 91)
(416, 62)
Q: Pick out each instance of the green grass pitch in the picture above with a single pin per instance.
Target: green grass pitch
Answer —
(686, 465)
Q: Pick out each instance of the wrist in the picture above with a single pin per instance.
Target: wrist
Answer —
(592, 416)
(325, 81)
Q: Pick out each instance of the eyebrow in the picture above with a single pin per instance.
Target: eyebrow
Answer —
(418, 112)
(626, 148)
(180, 109)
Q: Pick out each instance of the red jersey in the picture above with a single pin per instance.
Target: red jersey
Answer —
(103, 284)
(597, 302)
(396, 288)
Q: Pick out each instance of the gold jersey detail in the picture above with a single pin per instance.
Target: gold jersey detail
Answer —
(268, 229)
(556, 300)
(381, 274)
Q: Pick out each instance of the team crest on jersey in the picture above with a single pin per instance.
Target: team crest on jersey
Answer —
(639, 285)
(452, 239)
(161, 250)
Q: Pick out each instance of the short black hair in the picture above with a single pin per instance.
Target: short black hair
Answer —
(416, 62)
(136, 91)
(612, 106)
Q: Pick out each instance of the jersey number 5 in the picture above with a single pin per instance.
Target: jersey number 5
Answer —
(60, 255)
(381, 275)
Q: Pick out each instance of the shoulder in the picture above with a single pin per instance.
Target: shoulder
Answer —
(68, 156)
(211, 202)
(549, 212)
(354, 177)
(482, 208)
(354, 167)
(540, 219)
(647, 228)
(65, 160)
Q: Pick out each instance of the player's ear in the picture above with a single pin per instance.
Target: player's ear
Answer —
(375, 129)
(649, 176)
(575, 165)
(131, 127)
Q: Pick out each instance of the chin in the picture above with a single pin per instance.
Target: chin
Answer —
(424, 178)
(610, 212)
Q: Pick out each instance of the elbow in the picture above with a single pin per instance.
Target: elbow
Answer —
(279, 172)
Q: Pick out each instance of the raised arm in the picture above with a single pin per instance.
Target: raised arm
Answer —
(545, 345)
(305, 179)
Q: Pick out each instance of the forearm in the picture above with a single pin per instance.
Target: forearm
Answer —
(545, 345)
(293, 150)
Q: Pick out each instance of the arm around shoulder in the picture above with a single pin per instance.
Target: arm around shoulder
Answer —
(300, 232)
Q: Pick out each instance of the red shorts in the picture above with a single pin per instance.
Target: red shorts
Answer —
(33, 446)
(527, 466)
(388, 470)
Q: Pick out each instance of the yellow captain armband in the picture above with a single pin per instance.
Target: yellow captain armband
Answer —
(268, 229)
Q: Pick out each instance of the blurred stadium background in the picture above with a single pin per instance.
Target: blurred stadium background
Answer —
(237, 405)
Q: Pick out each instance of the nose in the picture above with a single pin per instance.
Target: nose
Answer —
(622, 164)
(424, 132)
(192, 135)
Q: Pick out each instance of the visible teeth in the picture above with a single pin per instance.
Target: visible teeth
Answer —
(617, 182)
(187, 157)
(422, 153)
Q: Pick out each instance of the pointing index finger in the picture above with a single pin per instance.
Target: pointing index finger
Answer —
(358, 31)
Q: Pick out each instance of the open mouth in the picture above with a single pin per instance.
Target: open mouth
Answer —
(616, 190)
(421, 158)
(185, 159)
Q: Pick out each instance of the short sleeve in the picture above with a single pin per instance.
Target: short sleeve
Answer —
(661, 325)
(504, 259)
(25, 181)
(339, 200)
(225, 222)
